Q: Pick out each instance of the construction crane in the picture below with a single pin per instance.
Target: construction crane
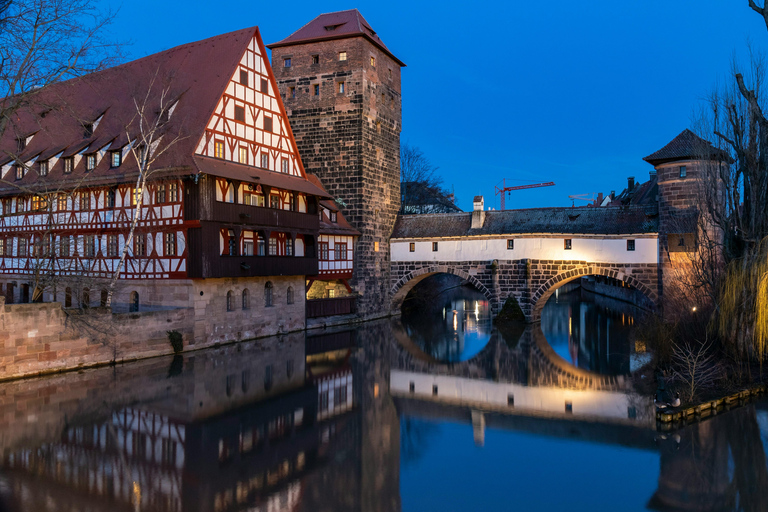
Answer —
(582, 197)
(504, 189)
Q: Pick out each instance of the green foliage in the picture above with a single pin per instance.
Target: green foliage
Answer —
(177, 341)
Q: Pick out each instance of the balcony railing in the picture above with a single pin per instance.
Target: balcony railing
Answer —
(262, 216)
(248, 266)
(330, 307)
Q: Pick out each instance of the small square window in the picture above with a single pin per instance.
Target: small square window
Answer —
(316, 89)
(412, 247)
(287, 62)
(434, 246)
(315, 59)
(341, 87)
(243, 77)
(267, 123)
(567, 245)
(373, 61)
(683, 171)
(510, 244)
(630, 245)
(240, 114)
(342, 55)
(265, 86)
(292, 93)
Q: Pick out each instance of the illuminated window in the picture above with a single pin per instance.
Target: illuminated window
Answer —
(243, 155)
(342, 55)
(136, 196)
(630, 245)
(218, 149)
(61, 202)
(373, 61)
(376, 246)
(20, 171)
(567, 245)
(412, 247)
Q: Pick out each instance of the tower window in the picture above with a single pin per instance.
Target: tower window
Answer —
(373, 62)
(292, 93)
(243, 77)
(240, 114)
(287, 62)
(630, 245)
(683, 171)
(567, 245)
(342, 55)
(341, 87)
(316, 89)
(315, 59)
(390, 73)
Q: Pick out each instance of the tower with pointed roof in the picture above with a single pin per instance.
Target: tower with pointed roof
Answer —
(341, 89)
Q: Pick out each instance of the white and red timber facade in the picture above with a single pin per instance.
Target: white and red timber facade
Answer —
(229, 222)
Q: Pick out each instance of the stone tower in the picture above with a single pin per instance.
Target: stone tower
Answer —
(341, 89)
(680, 165)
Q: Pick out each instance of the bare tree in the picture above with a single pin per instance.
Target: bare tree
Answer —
(695, 366)
(421, 188)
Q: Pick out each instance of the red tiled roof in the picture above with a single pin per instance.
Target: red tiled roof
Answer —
(195, 73)
(685, 146)
(335, 25)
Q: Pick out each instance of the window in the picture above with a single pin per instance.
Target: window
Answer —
(260, 249)
(231, 243)
(289, 300)
(140, 244)
(324, 251)
(510, 244)
(2, 247)
(334, 217)
(265, 160)
(287, 62)
(110, 198)
(116, 160)
(264, 86)
(248, 246)
(136, 196)
(243, 155)
(85, 201)
(315, 59)
(69, 164)
(373, 61)
(104, 297)
(64, 246)
(218, 149)
(61, 202)
(434, 246)
(246, 299)
(87, 130)
(160, 194)
(90, 162)
(274, 201)
(289, 246)
(39, 203)
(268, 294)
(390, 74)
(19, 171)
(316, 89)
(341, 87)
(273, 246)
(412, 247)
(341, 252)
(173, 192)
(630, 245)
(43, 168)
(567, 244)
(292, 93)
(292, 202)
(239, 114)
(112, 246)
(342, 55)
(230, 299)
(170, 244)
(89, 246)
(267, 123)
(683, 171)
(331, 294)
(284, 165)
(243, 77)
(20, 205)
(375, 246)
(133, 303)
(22, 252)
(21, 144)
(681, 242)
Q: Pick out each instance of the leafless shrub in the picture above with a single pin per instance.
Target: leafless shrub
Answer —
(695, 367)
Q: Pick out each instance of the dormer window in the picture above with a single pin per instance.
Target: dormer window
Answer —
(333, 217)
(116, 159)
(90, 162)
(43, 168)
(69, 164)
(21, 144)
(87, 130)
(19, 171)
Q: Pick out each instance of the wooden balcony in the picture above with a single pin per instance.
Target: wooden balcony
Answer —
(331, 307)
(263, 216)
(250, 266)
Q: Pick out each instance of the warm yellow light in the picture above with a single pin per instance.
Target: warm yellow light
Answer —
(693, 308)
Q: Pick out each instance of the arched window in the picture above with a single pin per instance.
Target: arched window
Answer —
(290, 295)
(86, 298)
(246, 299)
(230, 305)
(133, 304)
(268, 294)
(68, 297)
(104, 295)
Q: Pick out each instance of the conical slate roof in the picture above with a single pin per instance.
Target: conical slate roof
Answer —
(335, 25)
(685, 146)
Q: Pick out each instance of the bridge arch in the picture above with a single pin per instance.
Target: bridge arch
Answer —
(542, 294)
(406, 283)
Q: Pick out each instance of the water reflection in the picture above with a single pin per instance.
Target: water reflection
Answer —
(592, 332)
(452, 326)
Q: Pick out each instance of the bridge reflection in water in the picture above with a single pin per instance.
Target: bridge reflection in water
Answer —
(332, 423)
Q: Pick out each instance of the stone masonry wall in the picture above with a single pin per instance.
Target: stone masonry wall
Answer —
(351, 141)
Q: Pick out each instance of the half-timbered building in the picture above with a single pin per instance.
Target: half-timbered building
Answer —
(227, 222)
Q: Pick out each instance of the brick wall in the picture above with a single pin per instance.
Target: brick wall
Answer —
(351, 140)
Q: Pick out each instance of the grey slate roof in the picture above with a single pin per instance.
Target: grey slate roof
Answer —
(685, 146)
(583, 220)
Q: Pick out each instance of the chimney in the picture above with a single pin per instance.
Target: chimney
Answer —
(613, 195)
(631, 183)
(478, 214)
(599, 199)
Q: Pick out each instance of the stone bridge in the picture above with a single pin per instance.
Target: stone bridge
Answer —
(527, 254)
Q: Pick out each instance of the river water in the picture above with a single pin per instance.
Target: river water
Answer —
(437, 411)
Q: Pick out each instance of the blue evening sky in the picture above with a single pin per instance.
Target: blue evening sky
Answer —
(571, 92)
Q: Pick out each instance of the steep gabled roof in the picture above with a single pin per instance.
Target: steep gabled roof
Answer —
(335, 25)
(686, 146)
(195, 74)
